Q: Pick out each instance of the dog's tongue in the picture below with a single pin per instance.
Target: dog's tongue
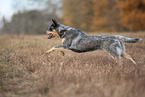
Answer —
(49, 36)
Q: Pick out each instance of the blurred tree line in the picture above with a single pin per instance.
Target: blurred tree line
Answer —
(29, 22)
(86, 15)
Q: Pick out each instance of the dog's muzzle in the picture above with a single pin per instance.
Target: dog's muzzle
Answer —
(49, 33)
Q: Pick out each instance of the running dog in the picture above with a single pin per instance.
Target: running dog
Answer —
(75, 40)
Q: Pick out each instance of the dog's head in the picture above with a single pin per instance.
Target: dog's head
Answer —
(56, 30)
(51, 32)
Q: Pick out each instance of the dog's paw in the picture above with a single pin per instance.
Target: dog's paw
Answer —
(62, 53)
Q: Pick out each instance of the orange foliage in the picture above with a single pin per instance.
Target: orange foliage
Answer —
(105, 15)
(132, 14)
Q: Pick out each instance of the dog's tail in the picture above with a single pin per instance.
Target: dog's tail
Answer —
(128, 40)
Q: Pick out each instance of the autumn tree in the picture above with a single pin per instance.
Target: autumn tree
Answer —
(92, 15)
(132, 14)
(105, 16)
(78, 13)
(70, 12)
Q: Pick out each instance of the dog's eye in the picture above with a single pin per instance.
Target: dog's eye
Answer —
(51, 28)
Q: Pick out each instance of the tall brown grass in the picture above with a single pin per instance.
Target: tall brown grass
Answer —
(25, 72)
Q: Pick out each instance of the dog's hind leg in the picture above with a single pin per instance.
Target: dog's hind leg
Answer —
(115, 56)
(116, 50)
(128, 57)
(124, 55)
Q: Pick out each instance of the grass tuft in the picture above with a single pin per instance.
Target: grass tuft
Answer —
(25, 72)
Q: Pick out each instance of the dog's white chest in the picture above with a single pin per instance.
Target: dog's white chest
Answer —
(63, 39)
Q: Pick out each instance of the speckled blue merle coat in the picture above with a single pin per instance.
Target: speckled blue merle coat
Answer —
(79, 42)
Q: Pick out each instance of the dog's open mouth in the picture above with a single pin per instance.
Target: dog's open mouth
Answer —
(50, 35)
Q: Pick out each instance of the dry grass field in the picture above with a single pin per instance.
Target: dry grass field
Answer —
(24, 72)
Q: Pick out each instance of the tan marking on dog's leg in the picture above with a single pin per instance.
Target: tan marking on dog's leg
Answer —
(62, 53)
(53, 49)
(63, 39)
(49, 51)
(129, 57)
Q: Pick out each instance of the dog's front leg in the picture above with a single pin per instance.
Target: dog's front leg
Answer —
(59, 48)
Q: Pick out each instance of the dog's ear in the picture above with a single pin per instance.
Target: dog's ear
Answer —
(54, 22)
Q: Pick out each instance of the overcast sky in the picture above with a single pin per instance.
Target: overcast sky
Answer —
(9, 7)
(6, 8)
